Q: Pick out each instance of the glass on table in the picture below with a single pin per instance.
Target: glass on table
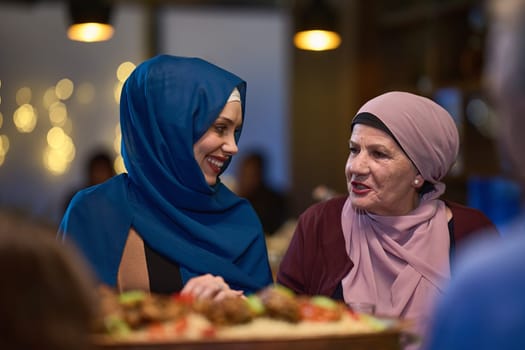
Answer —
(362, 307)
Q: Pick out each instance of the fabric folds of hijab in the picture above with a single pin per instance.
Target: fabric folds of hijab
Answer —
(402, 262)
(167, 104)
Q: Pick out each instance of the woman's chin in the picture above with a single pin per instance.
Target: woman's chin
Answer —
(211, 181)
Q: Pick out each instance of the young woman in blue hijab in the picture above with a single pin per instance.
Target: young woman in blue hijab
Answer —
(169, 224)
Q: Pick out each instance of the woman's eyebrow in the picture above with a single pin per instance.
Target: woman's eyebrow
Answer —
(227, 120)
(224, 118)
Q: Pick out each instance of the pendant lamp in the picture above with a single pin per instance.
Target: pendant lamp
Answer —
(90, 20)
(316, 27)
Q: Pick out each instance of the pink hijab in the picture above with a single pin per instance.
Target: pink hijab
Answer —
(402, 262)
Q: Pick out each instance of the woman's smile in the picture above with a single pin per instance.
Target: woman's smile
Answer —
(216, 163)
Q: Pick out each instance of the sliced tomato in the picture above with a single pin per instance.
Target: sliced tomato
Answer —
(209, 332)
(180, 326)
(316, 313)
(353, 314)
(183, 298)
(156, 331)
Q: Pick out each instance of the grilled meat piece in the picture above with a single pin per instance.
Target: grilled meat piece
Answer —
(280, 303)
(228, 311)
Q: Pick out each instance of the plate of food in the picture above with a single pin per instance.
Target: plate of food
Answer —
(274, 318)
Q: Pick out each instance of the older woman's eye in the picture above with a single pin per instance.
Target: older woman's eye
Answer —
(378, 154)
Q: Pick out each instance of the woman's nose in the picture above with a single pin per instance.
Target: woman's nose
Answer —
(230, 146)
(356, 164)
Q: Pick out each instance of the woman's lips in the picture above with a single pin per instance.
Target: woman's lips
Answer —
(359, 188)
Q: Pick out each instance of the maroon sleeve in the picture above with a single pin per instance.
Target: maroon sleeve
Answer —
(316, 259)
(470, 222)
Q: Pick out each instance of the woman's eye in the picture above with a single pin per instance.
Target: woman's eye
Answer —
(378, 154)
(353, 149)
(221, 129)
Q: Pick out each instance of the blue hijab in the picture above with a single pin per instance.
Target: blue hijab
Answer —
(166, 105)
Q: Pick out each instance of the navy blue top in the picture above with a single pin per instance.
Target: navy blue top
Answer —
(166, 105)
(484, 306)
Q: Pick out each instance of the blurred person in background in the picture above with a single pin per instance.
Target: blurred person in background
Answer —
(47, 297)
(169, 224)
(270, 205)
(390, 241)
(484, 307)
(99, 168)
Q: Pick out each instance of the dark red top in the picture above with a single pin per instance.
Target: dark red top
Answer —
(316, 260)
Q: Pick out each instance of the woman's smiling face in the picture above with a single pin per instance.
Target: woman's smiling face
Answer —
(379, 175)
(218, 143)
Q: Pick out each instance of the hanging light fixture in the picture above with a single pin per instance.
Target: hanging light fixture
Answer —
(90, 20)
(316, 27)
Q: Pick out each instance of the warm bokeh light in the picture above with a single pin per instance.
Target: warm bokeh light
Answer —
(124, 70)
(4, 144)
(60, 151)
(68, 126)
(118, 164)
(64, 89)
(56, 137)
(119, 161)
(85, 93)
(58, 114)
(50, 97)
(117, 90)
(90, 32)
(317, 40)
(118, 139)
(1, 120)
(55, 162)
(25, 118)
(4, 148)
(23, 96)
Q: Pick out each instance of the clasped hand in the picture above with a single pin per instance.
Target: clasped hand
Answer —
(209, 286)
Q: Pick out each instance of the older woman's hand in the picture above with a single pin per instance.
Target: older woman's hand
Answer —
(209, 286)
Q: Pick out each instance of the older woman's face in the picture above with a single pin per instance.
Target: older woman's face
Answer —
(379, 176)
(218, 144)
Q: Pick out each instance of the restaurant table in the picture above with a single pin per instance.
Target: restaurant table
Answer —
(384, 340)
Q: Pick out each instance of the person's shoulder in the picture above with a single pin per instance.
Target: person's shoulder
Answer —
(108, 191)
(469, 220)
(325, 211)
(333, 204)
(461, 209)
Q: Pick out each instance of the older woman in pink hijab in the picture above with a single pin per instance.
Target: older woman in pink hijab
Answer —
(390, 241)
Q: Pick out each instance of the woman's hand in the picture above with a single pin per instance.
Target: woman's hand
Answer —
(209, 286)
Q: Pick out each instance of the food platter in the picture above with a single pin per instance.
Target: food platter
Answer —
(273, 319)
(391, 338)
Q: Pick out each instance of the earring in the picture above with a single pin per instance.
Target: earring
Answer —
(416, 182)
